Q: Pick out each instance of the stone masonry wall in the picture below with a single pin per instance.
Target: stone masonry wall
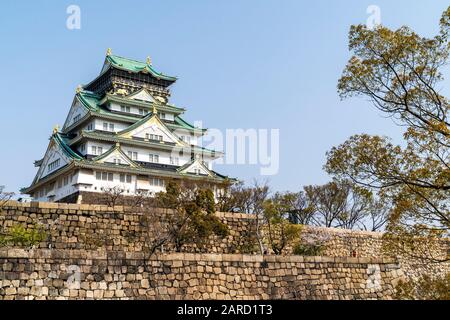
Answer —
(93, 227)
(80, 274)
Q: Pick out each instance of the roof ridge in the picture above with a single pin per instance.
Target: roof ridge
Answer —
(121, 57)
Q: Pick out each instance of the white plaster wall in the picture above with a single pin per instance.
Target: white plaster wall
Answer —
(118, 126)
(164, 156)
(97, 144)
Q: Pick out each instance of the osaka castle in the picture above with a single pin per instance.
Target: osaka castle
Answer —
(122, 132)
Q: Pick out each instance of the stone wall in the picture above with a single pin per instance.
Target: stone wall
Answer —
(93, 227)
(90, 227)
(81, 274)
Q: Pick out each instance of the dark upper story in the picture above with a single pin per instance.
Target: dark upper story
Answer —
(126, 75)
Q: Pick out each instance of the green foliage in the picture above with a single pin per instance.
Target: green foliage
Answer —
(401, 73)
(306, 249)
(425, 288)
(18, 235)
(192, 216)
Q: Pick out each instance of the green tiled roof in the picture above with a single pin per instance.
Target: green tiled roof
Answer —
(117, 168)
(62, 142)
(136, 67)
(180, 122)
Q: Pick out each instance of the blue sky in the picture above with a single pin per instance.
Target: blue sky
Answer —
(241, 64)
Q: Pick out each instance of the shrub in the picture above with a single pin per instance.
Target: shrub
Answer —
(18, 235)
(307, 249)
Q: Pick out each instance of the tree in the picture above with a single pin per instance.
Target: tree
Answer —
(342, 204)
(190, 214)
(238, 198)
(280, 231)
(424, 288)
(300, 210)
(112, 195)
(328, 202)
(157, 230)
(4, 196)
(400, 72)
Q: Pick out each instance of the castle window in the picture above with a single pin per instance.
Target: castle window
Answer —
(105, 126)
(141, 112)
(94, 150)
(77, 118)
(156, 182)
(125, 109)
(90, 126)
(105, 176)
(132, 155)
(125, 178)
(186, 139)
(153, 137)
(52, 166)
(154, 158)
(111, 127)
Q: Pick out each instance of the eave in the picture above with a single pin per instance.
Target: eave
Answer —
(112, 138)
(136, 103)
(29, 190)
(108, 115)
(144, 171)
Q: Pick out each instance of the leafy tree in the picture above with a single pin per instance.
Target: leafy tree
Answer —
(190, 216)
(400, 72)
(280, 231)
(300, 210)
(424, 288)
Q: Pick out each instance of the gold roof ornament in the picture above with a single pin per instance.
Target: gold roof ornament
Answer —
(108, 52)
(55, 129)
(117, 144)
(79, 88)
(154, 111)
(149, 61)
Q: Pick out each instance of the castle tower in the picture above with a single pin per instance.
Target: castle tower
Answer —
(122, 131)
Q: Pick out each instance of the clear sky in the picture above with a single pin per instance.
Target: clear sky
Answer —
(241, 64)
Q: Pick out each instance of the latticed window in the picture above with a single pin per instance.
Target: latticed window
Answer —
(133, 155)
(55, 164)
(156, 182)
(154, 158)
(125, 178)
